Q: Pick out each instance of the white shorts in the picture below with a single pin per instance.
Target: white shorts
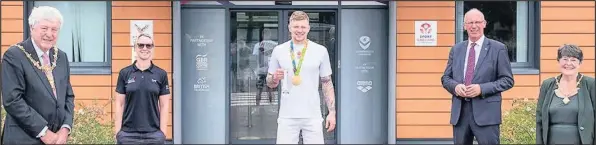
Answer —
(288, 130)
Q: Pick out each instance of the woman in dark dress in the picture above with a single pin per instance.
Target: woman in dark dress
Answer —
(565, 113)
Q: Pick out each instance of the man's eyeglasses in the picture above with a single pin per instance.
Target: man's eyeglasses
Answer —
(141, 45)
(474, 22)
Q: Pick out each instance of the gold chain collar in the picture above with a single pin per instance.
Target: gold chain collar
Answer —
(36, 63)
(565, 97)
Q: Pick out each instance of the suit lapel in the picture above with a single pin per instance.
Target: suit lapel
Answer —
(483, 51)
(42, 76)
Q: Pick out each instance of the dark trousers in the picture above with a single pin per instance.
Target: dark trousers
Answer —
(466, 128)
(141, 138)
(262, 83)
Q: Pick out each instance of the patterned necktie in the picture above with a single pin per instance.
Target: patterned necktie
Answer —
(471, 65)
(49, 75)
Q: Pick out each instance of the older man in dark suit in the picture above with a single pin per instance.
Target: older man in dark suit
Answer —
(478, 70)
(36, 90)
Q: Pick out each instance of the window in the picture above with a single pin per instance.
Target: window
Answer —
(507, 22)
(85, 35)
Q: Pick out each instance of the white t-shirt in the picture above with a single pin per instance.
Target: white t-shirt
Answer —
(303, 100)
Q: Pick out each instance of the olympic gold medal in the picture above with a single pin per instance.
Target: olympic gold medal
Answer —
(296, 80)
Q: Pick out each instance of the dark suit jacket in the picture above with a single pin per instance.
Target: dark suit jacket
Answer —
(587, 106)
(28, 98)
(492, 73)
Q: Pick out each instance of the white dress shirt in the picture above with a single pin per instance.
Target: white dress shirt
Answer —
(477, 49)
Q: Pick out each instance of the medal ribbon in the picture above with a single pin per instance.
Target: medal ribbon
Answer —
(297, 69)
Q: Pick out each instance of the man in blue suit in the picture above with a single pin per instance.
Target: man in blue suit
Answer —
(477, 71)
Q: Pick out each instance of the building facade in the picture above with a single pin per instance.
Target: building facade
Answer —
(383, 73)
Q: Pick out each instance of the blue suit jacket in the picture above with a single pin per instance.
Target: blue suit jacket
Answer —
(492, 73)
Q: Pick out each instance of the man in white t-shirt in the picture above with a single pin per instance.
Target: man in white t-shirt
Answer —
(299, 65)
(262, 51)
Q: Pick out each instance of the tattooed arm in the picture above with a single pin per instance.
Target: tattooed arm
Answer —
(329, 93)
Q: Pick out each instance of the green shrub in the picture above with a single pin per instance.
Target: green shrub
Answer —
(519, 123)
(88, 129)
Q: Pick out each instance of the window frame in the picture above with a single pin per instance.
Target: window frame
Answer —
(89, 68)
(532, 66)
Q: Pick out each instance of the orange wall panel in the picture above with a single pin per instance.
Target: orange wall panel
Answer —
(416, 131)
(423, 53)
(425, 66)
(90, 80)
(141, 3)
(425, 4)
(419, 79)
(11, 3)
(10, 25)
(11, 30)
(414, 93)
(576, 27)
(567, 3)
(425, 13)
(140, 12)
(9, 39)
(2, 50)
(560, 39)
(12, 12)
(92, 93)
(567, 13)
(443, 105)
(422, 118)
(525, 80)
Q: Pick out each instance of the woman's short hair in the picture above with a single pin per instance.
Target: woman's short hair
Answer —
(570, 50)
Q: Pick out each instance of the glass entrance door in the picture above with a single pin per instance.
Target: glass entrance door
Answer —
(254, 107)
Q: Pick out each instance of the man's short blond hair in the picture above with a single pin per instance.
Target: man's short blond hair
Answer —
(299, 16)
